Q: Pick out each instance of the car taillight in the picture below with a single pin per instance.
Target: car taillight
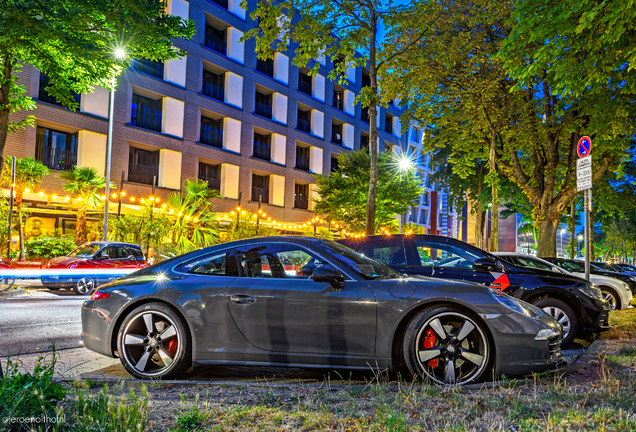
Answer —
(99, 296)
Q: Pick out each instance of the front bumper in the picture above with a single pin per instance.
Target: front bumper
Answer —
(599, 318)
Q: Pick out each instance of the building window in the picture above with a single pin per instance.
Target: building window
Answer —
(146, 113)
(143, 166)
(336, 133)
(304, 83)
(215, 39)
(260, 188)
(149, 67)
(211, 132)
(335, 166)
(338, 99)
(57, 150)
(423, 217)
(302, 158)
(304, 121)
(266, 67)
(301, 196)
(388, 124)
(364, 142)
(210, 174)
(263, 105)
(44, 96)
(364, 115)
(222, 3)
(214, 85)
(262, 149)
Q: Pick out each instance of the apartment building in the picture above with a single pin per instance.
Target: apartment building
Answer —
(255, 130)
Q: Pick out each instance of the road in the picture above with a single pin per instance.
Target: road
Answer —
(30, 324)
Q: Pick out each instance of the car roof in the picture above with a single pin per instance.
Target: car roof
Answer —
(109, 243)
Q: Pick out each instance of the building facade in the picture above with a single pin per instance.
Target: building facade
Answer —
(255, 130)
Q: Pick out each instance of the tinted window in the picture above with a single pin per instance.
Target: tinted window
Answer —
(360, 263)
(85, 251)
(573, 266)
(115, 252)
(532, 263)
(441, 254)
(218, 264)
(385, 251)
(135, 252)
(279, 261)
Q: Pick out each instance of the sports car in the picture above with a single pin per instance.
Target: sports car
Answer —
(239, 303)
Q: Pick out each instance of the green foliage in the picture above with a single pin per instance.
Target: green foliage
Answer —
(243, 225)
(343, 194)
(30, 394)
(150, 228)
(321, 232)
(48, 247)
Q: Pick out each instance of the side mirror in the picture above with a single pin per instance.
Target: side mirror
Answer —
(330, 275)
(485, 265)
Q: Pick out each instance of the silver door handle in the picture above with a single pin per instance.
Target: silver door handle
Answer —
(242, 299)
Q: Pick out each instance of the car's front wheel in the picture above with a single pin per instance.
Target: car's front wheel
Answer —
(448, 346)
(153, 342)
(563, 314)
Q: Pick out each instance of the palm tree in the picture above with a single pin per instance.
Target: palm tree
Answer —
(29, 173)
(83, 182)
(199, 192)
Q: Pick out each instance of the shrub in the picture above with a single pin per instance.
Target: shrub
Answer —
(49, 247)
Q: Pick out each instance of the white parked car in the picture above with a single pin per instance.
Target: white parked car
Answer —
(615, 291)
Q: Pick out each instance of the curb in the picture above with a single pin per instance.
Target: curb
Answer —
(12, 293)
(588, 356)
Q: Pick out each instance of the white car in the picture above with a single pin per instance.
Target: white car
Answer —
(615, 291)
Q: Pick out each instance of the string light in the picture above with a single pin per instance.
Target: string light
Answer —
(132, 199)
(41, 194)
(54, 196)
(114, 195)
(27, 190)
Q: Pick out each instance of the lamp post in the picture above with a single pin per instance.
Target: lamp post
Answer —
(120, 54)
(580, 238)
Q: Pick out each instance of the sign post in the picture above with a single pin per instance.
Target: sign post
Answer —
(584, 183)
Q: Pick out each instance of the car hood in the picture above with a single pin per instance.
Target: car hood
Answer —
(64, 261)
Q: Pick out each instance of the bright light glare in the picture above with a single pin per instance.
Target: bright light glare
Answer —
(120, 53)
(405, 163)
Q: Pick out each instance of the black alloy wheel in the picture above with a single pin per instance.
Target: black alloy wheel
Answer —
(448, 346)
(153, 342)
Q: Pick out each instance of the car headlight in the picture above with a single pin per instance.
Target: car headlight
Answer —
(546, 334)
(510, 302)
(591, 291)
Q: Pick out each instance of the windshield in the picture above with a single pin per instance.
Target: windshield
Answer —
(363, 265)
(603, 266)
(532, 262)
(573, 266)
(85, 251)
(628, 267)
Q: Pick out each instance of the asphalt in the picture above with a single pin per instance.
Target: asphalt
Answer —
(30, 323)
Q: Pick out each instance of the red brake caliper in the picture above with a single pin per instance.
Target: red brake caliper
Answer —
(172, 347)
(429, 342)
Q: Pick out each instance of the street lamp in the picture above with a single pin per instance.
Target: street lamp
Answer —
(120, 54)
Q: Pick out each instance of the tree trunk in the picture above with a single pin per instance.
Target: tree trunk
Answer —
(5, 100)
(494, 213)
(80, 228)
(373, 132)
(480, 219)
(546, 248)
(18, 207)
(572, 233)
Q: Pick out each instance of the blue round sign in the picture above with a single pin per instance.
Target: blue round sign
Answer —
(584, 148)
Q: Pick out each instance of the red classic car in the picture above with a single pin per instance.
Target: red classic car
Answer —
(88, 260)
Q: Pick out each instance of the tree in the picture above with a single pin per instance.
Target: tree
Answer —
(28, 175)
(343, 194)
(346, 32)
(84, 183)
(72, 42)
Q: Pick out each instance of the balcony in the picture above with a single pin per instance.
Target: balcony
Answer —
(262, 192)
(146, 119)
(301, 202)
(336, 134)
(304, 86)
(337, 100)
(213, 85)
(211, 135)
(149, 67)
(303, 125)
(262, 151)
(44, 96)
(302, 163)
(266, 67)
(142, 174)
(56, 159)
(215, 40)
(364, 115)
(263, 110)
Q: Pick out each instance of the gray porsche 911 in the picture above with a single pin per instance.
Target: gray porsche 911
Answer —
(306, 302)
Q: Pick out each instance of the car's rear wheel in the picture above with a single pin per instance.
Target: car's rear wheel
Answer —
(84, 286)
(564, 314)
(448, 346)
(611, 296)
(153, 342)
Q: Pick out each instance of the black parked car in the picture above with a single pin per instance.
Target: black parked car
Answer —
(306, 302)
(575, 303)
(579, 266)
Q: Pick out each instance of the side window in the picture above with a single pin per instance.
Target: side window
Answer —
(110, 251)
(135, 252)
(442, 254)
(277, 261)
(385, 252)
(218, 264)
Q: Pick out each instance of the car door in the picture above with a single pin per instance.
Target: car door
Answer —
(438, 258)
(282, 309)
(389, 251)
